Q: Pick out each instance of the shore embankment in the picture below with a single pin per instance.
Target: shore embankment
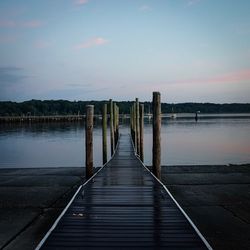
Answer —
(217, 198)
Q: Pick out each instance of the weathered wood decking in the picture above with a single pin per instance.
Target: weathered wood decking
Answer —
(123, 207)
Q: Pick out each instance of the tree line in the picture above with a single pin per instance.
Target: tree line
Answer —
(64, 107)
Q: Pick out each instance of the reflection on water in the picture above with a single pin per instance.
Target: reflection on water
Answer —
(46, 145)
(208, 141)
(211, 140)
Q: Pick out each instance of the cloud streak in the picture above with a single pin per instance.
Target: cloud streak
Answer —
(145, 8)
(98, 41)
(7, 39)
(32, 24)
(193, 2)
(42, 44)
(20, 24)
(230, 77)
(11, 75)
(81, 2)
(78, 85)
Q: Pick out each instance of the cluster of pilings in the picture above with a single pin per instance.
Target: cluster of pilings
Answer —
(137, 127)
(114, 133)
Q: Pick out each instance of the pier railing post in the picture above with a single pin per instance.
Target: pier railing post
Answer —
(89, 140)
(131, 123)
(134, 117)
(114, 123)
(117, 124)
(104, 133)
(137, 126)
(134, 123)
(111, 123)
(141, 132)
(157, 134)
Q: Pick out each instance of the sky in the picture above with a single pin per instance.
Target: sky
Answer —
(189, 50)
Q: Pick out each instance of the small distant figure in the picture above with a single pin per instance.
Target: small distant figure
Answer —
(196, 115)
(173, 115)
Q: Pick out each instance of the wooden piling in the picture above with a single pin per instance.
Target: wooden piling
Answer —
(114, 122)
(137, 126)
(131, 123)
(134, 125)
(157, 134)
(104, 133)
(89, 140)
(141, 132)
(135, 132)
(117, 124)
(111, 122)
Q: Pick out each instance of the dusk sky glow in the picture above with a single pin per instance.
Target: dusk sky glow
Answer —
(189, 50)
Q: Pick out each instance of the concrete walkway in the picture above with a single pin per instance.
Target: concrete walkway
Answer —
(31, 199)
(217, 198)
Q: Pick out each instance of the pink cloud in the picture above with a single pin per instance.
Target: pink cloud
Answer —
(81, 2)
(230, 77)
(20, 24)
(98, 41)
(238, 76)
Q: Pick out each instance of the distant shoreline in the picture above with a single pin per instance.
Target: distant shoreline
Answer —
(77, 108)
(77, 118)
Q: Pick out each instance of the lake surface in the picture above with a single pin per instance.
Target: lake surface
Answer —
(214, 139)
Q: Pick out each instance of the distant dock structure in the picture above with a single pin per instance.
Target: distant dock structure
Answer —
(41, 118)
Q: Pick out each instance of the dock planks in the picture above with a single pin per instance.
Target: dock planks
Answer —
(123, 207)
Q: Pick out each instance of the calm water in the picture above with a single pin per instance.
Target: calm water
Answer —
(211, 140)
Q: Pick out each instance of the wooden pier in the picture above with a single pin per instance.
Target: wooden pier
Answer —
(123, 206)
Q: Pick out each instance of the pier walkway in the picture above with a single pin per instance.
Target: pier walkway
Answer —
(123, 207)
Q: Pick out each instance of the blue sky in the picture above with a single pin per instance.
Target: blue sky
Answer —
(189, 50)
